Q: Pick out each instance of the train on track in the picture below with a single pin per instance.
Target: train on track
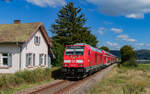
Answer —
(81, 60)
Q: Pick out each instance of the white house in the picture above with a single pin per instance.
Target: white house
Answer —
(24, 46)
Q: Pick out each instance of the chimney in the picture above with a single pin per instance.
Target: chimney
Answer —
(17, 22)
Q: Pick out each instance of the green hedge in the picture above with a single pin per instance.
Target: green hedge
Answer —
(26, 76)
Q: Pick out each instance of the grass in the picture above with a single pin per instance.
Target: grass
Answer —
(10, 83)
(125, 80)
(23, 86)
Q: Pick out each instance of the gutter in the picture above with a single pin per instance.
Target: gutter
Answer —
(17, 43)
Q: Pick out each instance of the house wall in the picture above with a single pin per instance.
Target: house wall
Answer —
(30, 47)
(15, 58)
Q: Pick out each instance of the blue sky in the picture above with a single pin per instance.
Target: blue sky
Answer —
(115, 23)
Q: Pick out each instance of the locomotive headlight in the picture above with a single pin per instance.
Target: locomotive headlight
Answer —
(80, 65)
(79, 61)
(67, 61)
(66, 65)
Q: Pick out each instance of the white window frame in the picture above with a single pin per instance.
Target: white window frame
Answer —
(44, 59)
(1, 59)
(37, 40)
(31, 63)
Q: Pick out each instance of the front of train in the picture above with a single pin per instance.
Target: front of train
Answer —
(74, 61)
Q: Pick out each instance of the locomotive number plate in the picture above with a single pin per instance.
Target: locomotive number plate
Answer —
(73, 61)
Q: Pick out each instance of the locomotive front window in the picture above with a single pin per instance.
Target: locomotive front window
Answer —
(75, 50)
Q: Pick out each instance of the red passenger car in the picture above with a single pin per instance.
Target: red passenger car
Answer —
(82, 59)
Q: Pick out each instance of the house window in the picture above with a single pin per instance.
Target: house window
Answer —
(37, 40)
(42, 59)
(30, 60)
(5, 59)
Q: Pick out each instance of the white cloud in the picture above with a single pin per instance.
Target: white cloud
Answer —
(128, 8)
(111, 44)
(126, 38)
(108, 23)
(140, 44)
(44, 3)
(143, 44)
(116, 30)
(131, 40)
(114, 45)
(147, 44)
(101, 30)
(135, 16)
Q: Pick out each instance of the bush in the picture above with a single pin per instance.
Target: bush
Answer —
(36, 75)
(131, 63)
(26, 76)
(128, 56)
(9, 81)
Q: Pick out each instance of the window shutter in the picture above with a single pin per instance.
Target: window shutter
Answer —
(10, 60)
(39, 39)
(0, 59)
(44, 59)
(39, 59)
(34, 40)
(33, 59)
(27, 61)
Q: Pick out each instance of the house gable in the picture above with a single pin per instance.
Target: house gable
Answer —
(31, 47)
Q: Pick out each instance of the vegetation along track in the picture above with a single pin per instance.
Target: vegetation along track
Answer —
(70, 87)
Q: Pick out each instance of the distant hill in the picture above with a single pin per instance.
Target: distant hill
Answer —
(141, 54)
(115, 52)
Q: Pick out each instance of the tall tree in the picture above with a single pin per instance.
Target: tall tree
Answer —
(105, 48)
(70, 27)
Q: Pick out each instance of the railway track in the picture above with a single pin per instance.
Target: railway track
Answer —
(70, 87)
(74, 87)
(52, 88)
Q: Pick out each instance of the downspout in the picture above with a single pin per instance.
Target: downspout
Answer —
(20, 58)
(20, 49)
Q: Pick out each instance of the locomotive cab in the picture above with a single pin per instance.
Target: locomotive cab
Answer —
(75, 60)
(74, 56)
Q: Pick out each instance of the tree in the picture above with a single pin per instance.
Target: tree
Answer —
(58, 52)
(105, 48)
(70, 29)
(128, 55)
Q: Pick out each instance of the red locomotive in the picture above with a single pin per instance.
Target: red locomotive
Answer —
(82, 59)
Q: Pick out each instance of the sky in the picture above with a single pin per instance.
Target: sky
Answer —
(114, 22)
